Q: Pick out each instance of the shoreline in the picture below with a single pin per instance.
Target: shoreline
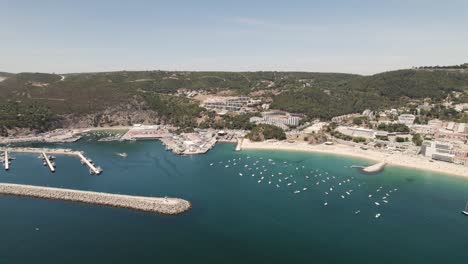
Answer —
(394, 159)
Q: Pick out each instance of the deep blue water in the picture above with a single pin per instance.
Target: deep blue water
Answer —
(234, 219)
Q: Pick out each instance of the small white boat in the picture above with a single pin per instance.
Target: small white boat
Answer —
(357, 212)
(297, 191)
(211, 164)
(304, 189)
(376, 203)
(240, 174)
(377, 215)
(370, 195)
(289, 184)
(466, 209)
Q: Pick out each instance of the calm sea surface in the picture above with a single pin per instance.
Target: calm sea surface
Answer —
(237, 217)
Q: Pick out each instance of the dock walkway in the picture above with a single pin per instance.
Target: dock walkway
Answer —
(6, 160)
(47, 160)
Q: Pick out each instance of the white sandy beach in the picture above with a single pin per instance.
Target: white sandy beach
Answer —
(397, 159)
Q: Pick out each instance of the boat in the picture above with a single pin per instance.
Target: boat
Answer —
(466, 209)
(123, 154)
(377, 215)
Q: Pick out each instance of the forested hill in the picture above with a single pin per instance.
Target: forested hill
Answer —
(389, 89)
(315, 94)
(89, 92)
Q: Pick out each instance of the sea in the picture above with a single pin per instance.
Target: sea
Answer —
(247, 207)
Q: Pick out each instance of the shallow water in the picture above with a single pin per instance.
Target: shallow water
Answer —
(235, 219)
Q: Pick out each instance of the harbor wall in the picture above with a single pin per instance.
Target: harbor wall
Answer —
(170, 206)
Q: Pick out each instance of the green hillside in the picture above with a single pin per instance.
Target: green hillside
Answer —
(316, 94)
(389, 89)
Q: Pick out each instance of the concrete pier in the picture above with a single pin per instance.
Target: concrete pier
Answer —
(90, 165)
(46, 158)
(7, 161)
(374, 168)
(239, 144)
(169, 206)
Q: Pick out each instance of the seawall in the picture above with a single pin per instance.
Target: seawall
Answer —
(170, 206)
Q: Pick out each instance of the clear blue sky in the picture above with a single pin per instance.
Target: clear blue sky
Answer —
(307, 35)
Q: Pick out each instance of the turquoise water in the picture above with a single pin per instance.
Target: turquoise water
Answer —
(235, 219)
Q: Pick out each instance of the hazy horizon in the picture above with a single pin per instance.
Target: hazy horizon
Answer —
(357, 37)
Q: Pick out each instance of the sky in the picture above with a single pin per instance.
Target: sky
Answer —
(363, 37)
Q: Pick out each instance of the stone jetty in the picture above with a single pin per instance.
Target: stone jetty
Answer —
(170, 206)
(375, 168)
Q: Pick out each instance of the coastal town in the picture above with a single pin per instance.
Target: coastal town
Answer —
(404, 132)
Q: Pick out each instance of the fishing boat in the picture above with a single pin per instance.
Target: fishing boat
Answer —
(466, 209)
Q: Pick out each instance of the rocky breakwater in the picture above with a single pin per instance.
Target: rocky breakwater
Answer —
(170, 206)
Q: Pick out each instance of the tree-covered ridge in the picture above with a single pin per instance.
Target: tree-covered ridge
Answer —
(379, 91)
(322, 95)
(33, 116)
(174, 110)
(91, 92)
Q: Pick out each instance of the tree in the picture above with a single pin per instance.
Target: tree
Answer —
(400, 139)
(263, 132)
(417, 139)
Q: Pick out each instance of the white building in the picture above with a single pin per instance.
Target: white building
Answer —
(226, 103)
(450, 126)
(461, 107)
(406, 119)
(437, 150)
(461, 128)
(356, 131)
(315, 128)
(435, 123)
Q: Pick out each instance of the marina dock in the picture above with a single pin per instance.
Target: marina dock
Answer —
(92, 169)
(6, 160)
(47, 160)
(44, 151)
(164, 205)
